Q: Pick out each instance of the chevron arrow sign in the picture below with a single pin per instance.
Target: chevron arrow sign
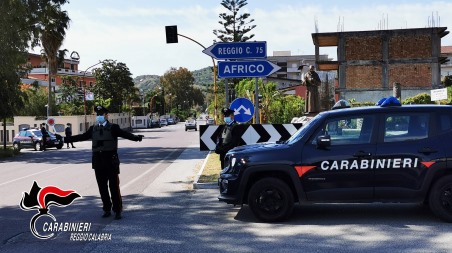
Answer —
(250, 134)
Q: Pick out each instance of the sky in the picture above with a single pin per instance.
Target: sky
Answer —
(133, 31)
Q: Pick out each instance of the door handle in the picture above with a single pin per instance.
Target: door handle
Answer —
(361, 154)
(427, 151)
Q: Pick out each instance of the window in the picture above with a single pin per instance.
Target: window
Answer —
(406, 127)
(445, 123)
(348, 130)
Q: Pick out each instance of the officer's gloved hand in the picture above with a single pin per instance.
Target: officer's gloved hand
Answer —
(139, 137)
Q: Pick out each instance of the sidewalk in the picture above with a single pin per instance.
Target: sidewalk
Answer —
(183, 174)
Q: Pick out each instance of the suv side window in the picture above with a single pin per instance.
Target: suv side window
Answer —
(406, 127)
(445, 123)
(348, 130)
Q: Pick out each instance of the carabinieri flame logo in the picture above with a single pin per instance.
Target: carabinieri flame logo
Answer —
(41, 199)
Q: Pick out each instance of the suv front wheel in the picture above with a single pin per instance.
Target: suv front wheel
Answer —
(440, 198)
(270, 199)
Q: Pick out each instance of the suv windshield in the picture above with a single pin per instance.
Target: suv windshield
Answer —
(302, 131)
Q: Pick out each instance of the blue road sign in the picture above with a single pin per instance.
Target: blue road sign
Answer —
(237, 50)
(243, 109)
(259, 68)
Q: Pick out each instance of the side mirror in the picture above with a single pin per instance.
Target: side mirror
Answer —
(323, 141)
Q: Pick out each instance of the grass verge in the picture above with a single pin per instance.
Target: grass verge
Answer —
(8, 152)
(212, 169)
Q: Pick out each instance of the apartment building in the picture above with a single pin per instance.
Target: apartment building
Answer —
(446, 67)
(40, 72)
(293, 67)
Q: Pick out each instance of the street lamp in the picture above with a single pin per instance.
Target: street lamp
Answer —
(151, 103)
(84, 92)
(142, 99)
(74, 56)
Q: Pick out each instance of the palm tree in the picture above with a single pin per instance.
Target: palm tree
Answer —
(51, 24)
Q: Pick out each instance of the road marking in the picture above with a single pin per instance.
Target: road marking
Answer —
(17, 179)
(146, 172)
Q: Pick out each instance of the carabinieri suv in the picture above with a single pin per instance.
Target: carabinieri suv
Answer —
(388, 153)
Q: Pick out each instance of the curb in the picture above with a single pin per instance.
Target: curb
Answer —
(197, 185)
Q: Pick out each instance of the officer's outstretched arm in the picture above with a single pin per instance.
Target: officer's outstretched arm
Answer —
(118, 132)
(80, 137)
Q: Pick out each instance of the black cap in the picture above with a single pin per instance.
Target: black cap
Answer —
(227, 112)
(100, 110)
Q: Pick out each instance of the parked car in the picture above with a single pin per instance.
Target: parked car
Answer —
(163, 122)
(190, 124)
(171, 121)
(155, 123)
(210, 122)
(32, 138)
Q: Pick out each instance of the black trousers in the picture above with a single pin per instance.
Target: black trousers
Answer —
(108, 179)
(222, 155)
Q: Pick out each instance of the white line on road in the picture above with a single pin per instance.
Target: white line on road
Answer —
(146, 172)
(17, 179)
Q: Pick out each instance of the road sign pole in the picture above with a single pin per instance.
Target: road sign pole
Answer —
(256, 99)
(226, 88)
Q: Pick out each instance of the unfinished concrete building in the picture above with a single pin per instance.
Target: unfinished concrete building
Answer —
(370, 62)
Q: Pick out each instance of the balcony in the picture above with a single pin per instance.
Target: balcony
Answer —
(62, 72)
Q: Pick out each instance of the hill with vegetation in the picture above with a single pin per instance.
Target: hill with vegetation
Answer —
(203, 78)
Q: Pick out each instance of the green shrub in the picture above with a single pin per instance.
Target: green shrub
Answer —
(422, 98)
(8, 152)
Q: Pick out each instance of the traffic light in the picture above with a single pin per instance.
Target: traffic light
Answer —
(260, 98)
(171, 34)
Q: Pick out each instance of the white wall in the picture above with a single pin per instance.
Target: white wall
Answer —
(122, 119)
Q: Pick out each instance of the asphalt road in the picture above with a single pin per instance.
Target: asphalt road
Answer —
(162, 213)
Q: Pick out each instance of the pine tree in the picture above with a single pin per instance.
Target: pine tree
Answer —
(235, 25)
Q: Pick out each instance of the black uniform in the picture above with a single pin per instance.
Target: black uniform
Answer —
(68, 133)
(230, 138)
(45, 134)
(105, 161)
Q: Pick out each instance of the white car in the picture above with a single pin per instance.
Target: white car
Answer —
(190, 124)
(163, 122)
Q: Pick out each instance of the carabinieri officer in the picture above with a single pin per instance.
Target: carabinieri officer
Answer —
(105, 159)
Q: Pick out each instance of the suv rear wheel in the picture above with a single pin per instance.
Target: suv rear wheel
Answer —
(440, 198)
(270, 199)
(37, 145)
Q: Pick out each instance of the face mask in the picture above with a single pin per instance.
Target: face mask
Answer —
(227, 120)
(100, 119)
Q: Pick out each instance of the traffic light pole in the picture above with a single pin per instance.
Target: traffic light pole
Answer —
(171, 37)
(214, 76)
